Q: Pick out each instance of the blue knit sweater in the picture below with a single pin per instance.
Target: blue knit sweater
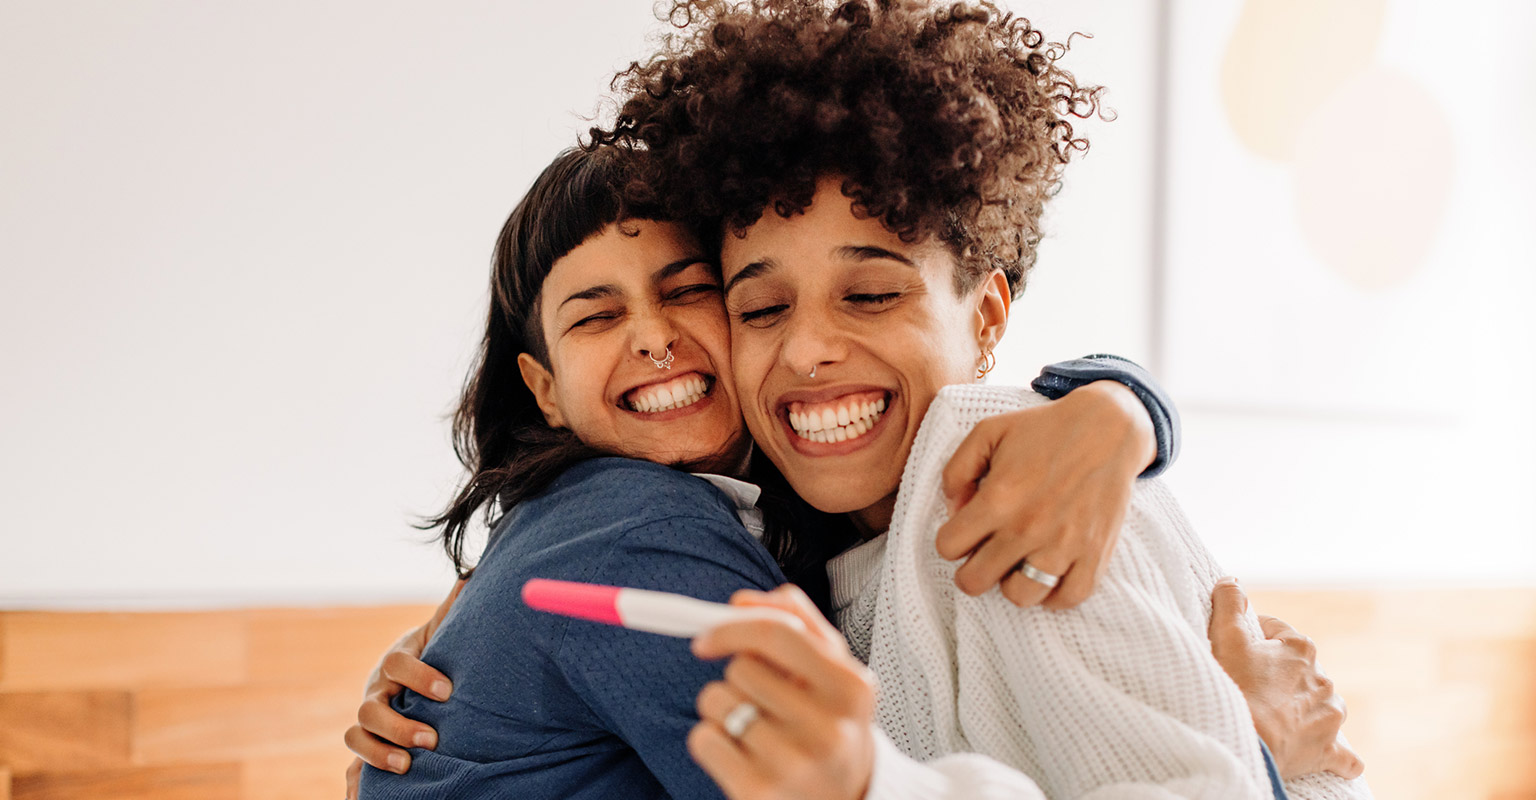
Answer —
(549, 707)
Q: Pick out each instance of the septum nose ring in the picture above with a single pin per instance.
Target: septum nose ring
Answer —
(661, 363)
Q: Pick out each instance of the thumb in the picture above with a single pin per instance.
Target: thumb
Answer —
(1228, 605)
(969, 464)
(1342, 761)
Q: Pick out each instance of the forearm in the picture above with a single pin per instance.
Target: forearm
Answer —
(1057, 380)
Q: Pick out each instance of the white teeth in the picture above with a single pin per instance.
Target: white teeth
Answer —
(678, 394)
(836, 423)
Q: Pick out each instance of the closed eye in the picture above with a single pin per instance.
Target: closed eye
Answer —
(595, 319)
(873, 299)
(692, 292)
(762, 316)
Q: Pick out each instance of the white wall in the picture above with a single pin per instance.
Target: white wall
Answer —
(243, 250)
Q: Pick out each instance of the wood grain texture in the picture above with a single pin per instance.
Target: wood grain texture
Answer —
(175, 726)
(289, 645)
(300, 777)
(53, 651)
(50, 731)
(251, 705)
(200, 782)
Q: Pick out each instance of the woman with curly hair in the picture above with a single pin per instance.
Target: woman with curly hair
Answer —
(879, 168)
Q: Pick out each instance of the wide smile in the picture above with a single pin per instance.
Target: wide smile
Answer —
(836, 425)
(670, 398)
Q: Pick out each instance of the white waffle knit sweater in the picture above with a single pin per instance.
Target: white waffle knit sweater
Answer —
(1117, 698)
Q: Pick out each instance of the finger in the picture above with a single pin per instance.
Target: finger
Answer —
(377, 753)
(970, 462)
(379, 718)
(1274, 627)
(1343, 762)
(969, 527)
(1076, 585)
(803, 714)
(354, 776)
(767, 740)
(827, 672)
(723, 760)
(791, 598)
(1228, 606)
(414, 674)
(1024, 591)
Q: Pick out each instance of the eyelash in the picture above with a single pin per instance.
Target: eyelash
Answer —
(762, 314)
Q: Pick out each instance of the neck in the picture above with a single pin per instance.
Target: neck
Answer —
(874, 520)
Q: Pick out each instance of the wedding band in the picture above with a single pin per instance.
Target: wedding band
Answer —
(1039, 576)
(736, 722)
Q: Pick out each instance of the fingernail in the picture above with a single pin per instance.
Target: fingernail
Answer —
(424, 739)
(441, 689)
(397, 763)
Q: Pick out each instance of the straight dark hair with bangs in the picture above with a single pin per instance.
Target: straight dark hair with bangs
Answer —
(500, 435)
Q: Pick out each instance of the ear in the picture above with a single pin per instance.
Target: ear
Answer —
(541, 382)
(993, 299)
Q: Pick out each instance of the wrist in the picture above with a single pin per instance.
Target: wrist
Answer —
(1140, 439)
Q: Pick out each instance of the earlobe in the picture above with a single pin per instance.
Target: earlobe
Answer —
(992, 304)
(541, 382)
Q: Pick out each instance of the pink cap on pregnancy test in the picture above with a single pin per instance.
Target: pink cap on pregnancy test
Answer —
(640, 609)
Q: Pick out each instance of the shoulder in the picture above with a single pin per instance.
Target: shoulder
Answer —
(628, 522)
(630, 491)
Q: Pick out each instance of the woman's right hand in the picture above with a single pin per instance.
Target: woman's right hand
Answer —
(1294, 706)
(811, 706)
(379, 727)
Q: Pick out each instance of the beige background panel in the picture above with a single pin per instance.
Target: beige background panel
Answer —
(1285, 57)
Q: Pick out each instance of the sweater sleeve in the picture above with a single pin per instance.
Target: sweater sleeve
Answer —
(643, 686)
(1056, 380)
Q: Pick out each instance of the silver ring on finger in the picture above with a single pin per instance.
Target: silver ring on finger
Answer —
(736, 722)
(1038, 575)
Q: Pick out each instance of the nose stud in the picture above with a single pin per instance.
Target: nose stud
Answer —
(661, 363)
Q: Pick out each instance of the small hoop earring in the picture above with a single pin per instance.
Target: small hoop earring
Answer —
(988, 361)
(661, 363)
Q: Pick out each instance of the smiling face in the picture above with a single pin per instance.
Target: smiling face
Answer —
(611, 310)
(879, 322)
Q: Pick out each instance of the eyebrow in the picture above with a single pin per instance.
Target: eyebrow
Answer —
(610, 290)
(869, 252)
(756, 269)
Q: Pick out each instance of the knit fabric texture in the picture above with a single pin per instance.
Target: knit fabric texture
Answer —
(1117, 698)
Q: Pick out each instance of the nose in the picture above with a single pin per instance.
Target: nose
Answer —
(811, 342)
(652, 338)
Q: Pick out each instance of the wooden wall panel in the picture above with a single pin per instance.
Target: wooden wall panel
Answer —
(41, 732)
(248, 705)
(201, 782)
(49, 651)
(290, 644)
(176, 726)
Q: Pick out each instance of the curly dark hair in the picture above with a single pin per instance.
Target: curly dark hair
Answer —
(942, 119)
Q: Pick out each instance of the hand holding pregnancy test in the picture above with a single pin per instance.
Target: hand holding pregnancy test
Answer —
(643, 610)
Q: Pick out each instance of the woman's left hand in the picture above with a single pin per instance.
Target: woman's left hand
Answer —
(812, 734)
(1049, 485)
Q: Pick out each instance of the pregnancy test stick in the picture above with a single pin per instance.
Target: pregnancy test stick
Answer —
(639, 609)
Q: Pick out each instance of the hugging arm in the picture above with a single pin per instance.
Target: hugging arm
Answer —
(1049, 484)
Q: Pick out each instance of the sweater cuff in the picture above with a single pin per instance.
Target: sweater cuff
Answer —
(1056, 380)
